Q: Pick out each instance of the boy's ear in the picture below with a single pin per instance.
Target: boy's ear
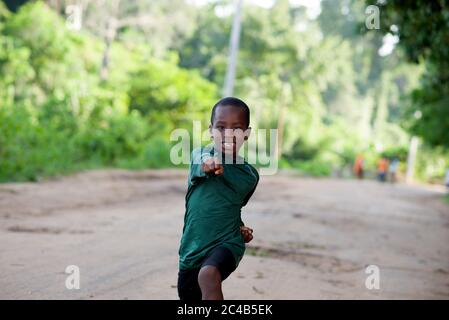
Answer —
(247, 133)
(210, 132)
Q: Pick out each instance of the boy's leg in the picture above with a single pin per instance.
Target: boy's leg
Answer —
(215, 269)
(209, 280)
(188, 288)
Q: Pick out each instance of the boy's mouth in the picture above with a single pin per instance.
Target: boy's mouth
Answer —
(228, 145)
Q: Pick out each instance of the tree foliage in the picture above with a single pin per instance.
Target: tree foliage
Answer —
(56, 115)
(423, 29)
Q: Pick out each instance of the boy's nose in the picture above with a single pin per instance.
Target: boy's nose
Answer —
(229, 135)
(229, 140)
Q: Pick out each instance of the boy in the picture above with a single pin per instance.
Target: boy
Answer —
(220, 183)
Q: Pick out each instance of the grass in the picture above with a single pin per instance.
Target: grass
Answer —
(256, 251)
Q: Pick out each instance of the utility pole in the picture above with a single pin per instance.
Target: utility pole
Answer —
(413, 148)
(233, 50)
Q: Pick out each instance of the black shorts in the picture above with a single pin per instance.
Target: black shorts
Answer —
(188, 287)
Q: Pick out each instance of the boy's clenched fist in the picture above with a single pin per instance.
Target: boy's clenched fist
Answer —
(212, 166)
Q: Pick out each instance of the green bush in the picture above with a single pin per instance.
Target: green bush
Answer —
(57, 116)
(29, 150)
(313, 168)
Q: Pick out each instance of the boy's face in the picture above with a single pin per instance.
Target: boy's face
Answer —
(229, 130)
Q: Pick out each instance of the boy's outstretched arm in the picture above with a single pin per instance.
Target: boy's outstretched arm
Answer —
(203, 165)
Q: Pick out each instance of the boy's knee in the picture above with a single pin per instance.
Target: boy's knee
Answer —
(209, 276)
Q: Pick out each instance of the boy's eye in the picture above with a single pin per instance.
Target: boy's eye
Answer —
(222, 128)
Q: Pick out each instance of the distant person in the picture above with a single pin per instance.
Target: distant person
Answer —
(393, 170)
(358, 166)
(382, 168)
(220, 183)
(447, 179)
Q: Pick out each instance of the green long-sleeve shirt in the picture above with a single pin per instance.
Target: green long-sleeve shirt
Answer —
(213, 209)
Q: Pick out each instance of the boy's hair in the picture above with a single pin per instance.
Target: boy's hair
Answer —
(230, 101)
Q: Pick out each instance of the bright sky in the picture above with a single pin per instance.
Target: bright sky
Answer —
(389, 42)
(313, 6)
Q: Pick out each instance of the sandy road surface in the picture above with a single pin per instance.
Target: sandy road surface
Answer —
(313, 238)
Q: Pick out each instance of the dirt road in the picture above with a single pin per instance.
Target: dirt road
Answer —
(313, 238)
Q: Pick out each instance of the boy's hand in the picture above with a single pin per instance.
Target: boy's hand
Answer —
(212, 166)
(247, 233)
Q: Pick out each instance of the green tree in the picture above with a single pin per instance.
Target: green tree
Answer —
(423, 29)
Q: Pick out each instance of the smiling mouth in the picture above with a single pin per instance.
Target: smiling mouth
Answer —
(228, 145)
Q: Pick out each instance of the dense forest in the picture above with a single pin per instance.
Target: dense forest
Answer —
(108, 94)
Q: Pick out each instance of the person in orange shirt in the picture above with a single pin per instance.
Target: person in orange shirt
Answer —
(358, 166)
(382, 168)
